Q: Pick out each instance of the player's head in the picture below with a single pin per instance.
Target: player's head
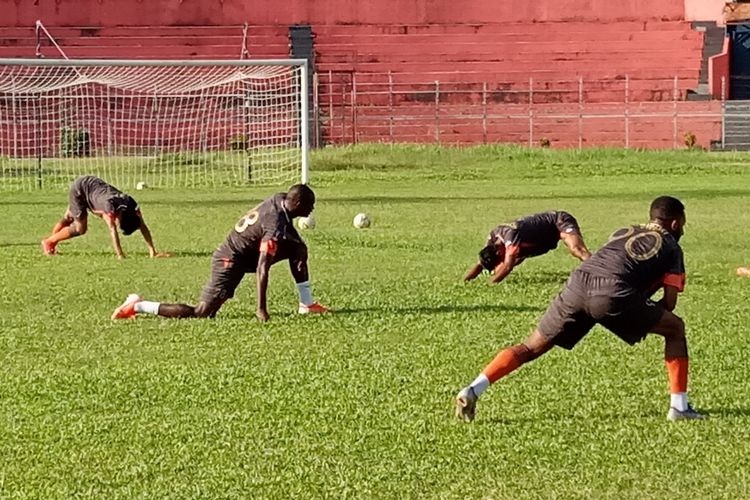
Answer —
(490, 256)
(129, 220)
(300, 200)
(669, 212)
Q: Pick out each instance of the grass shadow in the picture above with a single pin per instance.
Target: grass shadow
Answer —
(438, 309)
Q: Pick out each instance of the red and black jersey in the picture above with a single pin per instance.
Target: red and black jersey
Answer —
(533, 235)
(264, 228)
(643, 257)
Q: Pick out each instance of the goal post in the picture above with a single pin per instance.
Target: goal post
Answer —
(197, 123)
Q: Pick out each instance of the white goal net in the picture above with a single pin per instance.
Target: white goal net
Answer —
(164, 123)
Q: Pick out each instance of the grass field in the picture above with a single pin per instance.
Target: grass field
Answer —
(359, 403)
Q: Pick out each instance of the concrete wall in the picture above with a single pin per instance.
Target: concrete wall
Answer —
(208, 12)
(704, 10)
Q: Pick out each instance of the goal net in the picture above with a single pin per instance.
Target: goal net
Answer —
(164, 123)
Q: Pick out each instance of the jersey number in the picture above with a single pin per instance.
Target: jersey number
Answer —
(246, 221)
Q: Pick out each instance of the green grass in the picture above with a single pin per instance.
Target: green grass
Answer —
(359, 403)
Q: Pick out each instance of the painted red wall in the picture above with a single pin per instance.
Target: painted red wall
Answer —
(212, 12)
(718, 73)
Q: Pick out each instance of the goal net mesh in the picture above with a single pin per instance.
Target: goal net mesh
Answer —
(172, 125)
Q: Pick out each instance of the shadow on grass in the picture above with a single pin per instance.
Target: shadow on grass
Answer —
(19, 244)
(437, 309)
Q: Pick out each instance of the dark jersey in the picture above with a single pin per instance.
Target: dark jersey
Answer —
(642, 258)
(92, 193)
(533, 235)
(265, 227)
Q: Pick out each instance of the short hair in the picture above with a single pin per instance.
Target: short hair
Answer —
(130, 221)
(666, 208)
(300, 193)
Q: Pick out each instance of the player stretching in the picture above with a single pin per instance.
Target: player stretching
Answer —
(116, 208)
(262, 237)
(612, 289)
(509, 244)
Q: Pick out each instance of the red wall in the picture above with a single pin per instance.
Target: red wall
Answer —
(213, 12)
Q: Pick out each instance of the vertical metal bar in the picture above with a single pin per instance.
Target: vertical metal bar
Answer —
(674, 114)
(39, 140)
(316, 111)
(580, 112)
(723, 110)
(304, 130)
(531, 112)
(484, 112)
(437, 111)
(354, 108)
(627, 115)
(330, 104)
(15, 114)
(390, 106)
(343, 111)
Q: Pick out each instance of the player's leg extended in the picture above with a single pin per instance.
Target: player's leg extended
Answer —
(134, 305)
(672, 328)
(301, 275)
(506, 361)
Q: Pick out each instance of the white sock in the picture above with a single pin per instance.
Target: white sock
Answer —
(305, 293)
(480, 384)
(679, 401)
(145, 306)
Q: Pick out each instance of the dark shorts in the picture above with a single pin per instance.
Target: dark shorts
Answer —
(226, 275)
(77, 204)
(227, 271)
(588, 300)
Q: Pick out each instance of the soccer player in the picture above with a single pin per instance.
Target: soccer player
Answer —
(612, 288)
(261, 238)
(509, 244)
(89, 193)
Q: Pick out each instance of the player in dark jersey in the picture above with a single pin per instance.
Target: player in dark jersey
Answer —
(508, 245)
(612, 288)
(89, 193)
(261, 238)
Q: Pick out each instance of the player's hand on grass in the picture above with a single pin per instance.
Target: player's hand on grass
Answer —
(262, 315)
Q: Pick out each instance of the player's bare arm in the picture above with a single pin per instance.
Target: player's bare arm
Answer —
(264, 265)
(669, 300)
(473, 272)
(503, 269)
(111, 222)
(146, 233)
(575, 244)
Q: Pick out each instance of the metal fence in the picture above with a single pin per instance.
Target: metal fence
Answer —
(455, 109)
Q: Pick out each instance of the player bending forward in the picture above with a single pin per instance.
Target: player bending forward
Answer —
(612, 288)
(89, 193)
(261, 238)
(509, 244)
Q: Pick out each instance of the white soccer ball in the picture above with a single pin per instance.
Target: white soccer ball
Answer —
(140, 186)
(306, 222)
(361, 221)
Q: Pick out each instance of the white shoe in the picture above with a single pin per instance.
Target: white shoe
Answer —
(689, 414)
(466, 404)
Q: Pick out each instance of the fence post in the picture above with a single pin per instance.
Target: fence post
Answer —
(723, 110)
(343, 111)
(580, 112)
(316, 110)
(390, 105)
(484, 112)
(627, 115)
(330, 104)
(531, 112)
(437, 111)
(674, 114)
(354, 108)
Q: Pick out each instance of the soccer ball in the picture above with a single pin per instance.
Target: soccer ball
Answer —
(140, 186)
(361, 221)
(306, 222)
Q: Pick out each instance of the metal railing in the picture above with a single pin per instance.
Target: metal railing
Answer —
(454, 108)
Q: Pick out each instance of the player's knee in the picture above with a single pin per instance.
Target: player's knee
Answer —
(206, 309)
(80, 226)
